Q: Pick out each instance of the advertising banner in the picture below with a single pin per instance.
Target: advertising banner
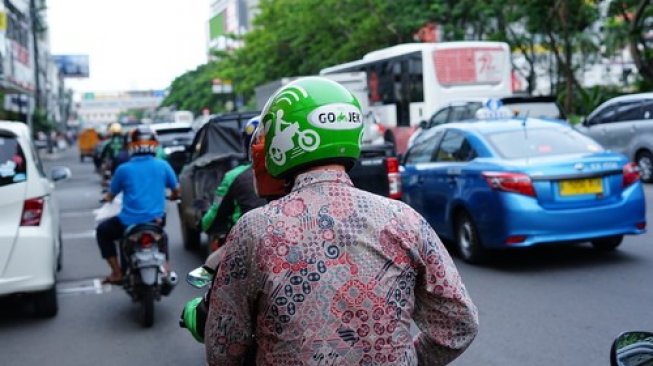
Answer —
(72, 66)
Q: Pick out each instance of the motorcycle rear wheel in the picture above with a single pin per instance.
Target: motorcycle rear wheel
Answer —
(147, 306)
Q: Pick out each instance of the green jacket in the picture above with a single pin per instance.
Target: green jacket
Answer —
(234, 197)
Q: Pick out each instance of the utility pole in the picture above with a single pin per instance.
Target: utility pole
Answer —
(35, 44)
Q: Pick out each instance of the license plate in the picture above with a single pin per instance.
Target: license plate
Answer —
(581, 186)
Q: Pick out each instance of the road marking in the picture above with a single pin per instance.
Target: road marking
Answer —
(93, 286)
(73, 214)
(83, 235)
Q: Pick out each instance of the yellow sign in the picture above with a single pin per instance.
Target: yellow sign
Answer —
(581, 186)
(3, 21)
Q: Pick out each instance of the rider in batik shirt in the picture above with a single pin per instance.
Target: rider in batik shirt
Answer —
(330, 274)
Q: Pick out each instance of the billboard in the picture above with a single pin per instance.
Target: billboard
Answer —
(72, 66)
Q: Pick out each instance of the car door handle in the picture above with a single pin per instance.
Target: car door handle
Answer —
(451, 179)
(420, 179)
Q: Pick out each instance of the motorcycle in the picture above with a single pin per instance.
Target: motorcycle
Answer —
(142, 259)
(634, 348)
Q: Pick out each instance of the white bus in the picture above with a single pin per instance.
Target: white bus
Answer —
(408, 82)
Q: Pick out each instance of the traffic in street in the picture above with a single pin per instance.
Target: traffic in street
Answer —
(553, 305)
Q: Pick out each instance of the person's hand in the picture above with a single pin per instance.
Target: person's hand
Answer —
(107, 197)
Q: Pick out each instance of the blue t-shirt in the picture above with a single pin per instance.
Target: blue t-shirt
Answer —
(142, 181)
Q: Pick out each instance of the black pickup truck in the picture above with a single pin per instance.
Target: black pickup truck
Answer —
(377, 171)
(216, 148)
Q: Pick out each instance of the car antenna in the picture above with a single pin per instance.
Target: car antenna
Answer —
(523, 124)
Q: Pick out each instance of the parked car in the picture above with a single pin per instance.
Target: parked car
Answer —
(30, 235)
(625, 124)
(542, 107)
(216, 148)
(519, 183)
(175, 138)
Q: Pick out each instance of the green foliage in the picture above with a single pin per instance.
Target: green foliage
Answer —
(292, 38)
(300, 37)
(193, 91)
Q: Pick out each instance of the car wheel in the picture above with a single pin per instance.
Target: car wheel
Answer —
(468, 241)
(45, 303)
(644, 161)
(190, 235)
(607, 244)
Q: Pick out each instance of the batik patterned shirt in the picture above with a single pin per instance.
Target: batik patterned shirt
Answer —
(332, 275)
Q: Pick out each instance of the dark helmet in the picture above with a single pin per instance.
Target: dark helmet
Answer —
(142, 140)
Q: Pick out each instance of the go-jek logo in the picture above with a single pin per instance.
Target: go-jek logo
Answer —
(336, 116)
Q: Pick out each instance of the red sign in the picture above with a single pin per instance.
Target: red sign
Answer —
(473, 65)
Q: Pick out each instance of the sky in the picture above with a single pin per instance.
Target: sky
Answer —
(132, 44)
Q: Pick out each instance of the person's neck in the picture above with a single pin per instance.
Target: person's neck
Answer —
(336, 167)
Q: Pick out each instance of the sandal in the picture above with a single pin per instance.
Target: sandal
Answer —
(112, 281)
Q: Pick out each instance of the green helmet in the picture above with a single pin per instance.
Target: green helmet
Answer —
(310, 121)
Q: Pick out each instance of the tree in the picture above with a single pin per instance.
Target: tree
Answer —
(193, 91)
(632, 18)
(294, 38)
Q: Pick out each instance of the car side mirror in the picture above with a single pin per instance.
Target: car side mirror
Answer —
(423, 125)
(585, 122)
(631, 349)
(60, 173)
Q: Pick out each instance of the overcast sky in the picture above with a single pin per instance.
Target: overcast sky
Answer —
(132, 44)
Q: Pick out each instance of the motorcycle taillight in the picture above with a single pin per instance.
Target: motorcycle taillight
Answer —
(146, 240)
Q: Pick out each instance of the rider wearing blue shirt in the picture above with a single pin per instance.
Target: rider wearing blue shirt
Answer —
(142, 181)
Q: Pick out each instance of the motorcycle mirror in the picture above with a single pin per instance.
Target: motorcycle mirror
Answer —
(632, 349)
(200, 277)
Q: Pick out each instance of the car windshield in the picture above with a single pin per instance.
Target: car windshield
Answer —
(536, 110)
(13, 167)
(535, 142)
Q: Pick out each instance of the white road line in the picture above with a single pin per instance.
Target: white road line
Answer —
(94, 286)
(82, 235)
(75, 214)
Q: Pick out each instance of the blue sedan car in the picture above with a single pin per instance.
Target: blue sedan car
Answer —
(521, 182)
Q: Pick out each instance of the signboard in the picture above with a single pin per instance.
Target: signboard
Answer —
(472, 65)
(222, 86)
(73, 66)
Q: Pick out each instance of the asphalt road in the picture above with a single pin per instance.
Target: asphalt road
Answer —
(551, 306)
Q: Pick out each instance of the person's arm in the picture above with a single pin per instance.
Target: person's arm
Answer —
(230, 326)
(218, 217)
(444, 313)
(116, 183)
(171, 181)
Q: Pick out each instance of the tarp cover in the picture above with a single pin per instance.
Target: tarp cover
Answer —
(221, 150)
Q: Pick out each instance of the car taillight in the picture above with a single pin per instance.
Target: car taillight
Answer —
(32, 212)
(515, 239)
(394, 178)
(631, 174)
(146, 240)
(510, 182)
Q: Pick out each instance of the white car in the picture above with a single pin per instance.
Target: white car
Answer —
(30, 235)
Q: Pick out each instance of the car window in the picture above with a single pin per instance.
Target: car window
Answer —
(629, 112)
(612, 113)
(424, 146)
(534, 142)
(454, 147)
(604, 116)
(439, 117)
(647, 109)
(13, 165)
(458, 113)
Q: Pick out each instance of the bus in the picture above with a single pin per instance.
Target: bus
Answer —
(408, 82)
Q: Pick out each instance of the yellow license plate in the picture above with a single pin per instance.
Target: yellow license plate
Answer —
(581, 186)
